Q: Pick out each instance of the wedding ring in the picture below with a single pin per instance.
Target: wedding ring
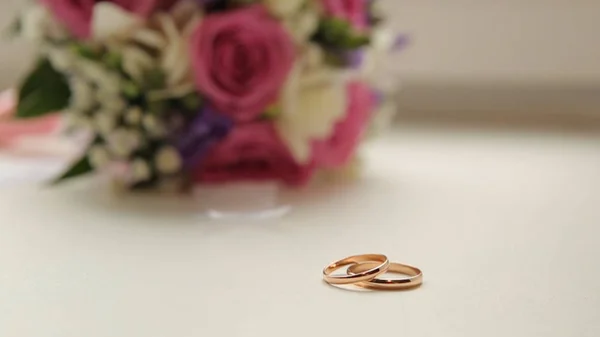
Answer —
(414, 280)
(378, 264)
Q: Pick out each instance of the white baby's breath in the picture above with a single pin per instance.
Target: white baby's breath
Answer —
(98, 74)
(122, 142)
(99, 156)
(105, 123)
(168, 160)
(110, 100)
(140, 170)
(77, 120)
(61, 58)
(116, 105)
(82, 94)
(152, 126)
(133, 116)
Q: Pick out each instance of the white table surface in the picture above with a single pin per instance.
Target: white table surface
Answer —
(504, 225)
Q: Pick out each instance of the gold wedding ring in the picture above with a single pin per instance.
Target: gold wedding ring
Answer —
(379, 264)
(414, 280)
(364, 270)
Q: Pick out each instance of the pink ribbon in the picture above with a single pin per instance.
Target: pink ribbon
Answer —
(12, 129)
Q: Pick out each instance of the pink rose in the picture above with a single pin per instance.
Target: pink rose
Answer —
(253, 152)
(354, 11)
(145, 8)
(241, 60)
(338, 150)
(77, 14)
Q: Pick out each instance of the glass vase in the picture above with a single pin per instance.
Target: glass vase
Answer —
(247, 200)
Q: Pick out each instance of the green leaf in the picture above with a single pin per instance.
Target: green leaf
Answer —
(130, 89)
(79, 168)
(355, 41)
(113, 60)
(271, 113)
(44, 91)
(339, 33)
(87, 51)
(333, 30)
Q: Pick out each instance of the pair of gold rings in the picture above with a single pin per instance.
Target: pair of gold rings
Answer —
(364, 270)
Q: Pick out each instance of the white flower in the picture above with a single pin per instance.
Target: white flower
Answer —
(133, 116)
(104, 123)
(33, 22)
(136, 62)
(301, 23)
(99, 157)
(172, 92)
(149, 37)
(122, 142)
(168, 160)
(140, 170)
(110, 20)
(152, 126)
(115, 105)
(100, 75)
(161, 43)
(82, 94)
(61, 58)
(110, 101)
(75, 119)
(310, 111)
(37, 23)
(175, 56)
(284, 8)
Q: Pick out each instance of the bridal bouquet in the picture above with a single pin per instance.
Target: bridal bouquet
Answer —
(181, 92)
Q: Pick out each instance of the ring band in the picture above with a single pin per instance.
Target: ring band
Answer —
(414, 280)
(378, 264)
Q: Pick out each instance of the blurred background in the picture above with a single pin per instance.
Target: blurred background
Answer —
(517, 62)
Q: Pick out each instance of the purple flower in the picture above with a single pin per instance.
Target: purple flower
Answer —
(400, 43)
(201, 135)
